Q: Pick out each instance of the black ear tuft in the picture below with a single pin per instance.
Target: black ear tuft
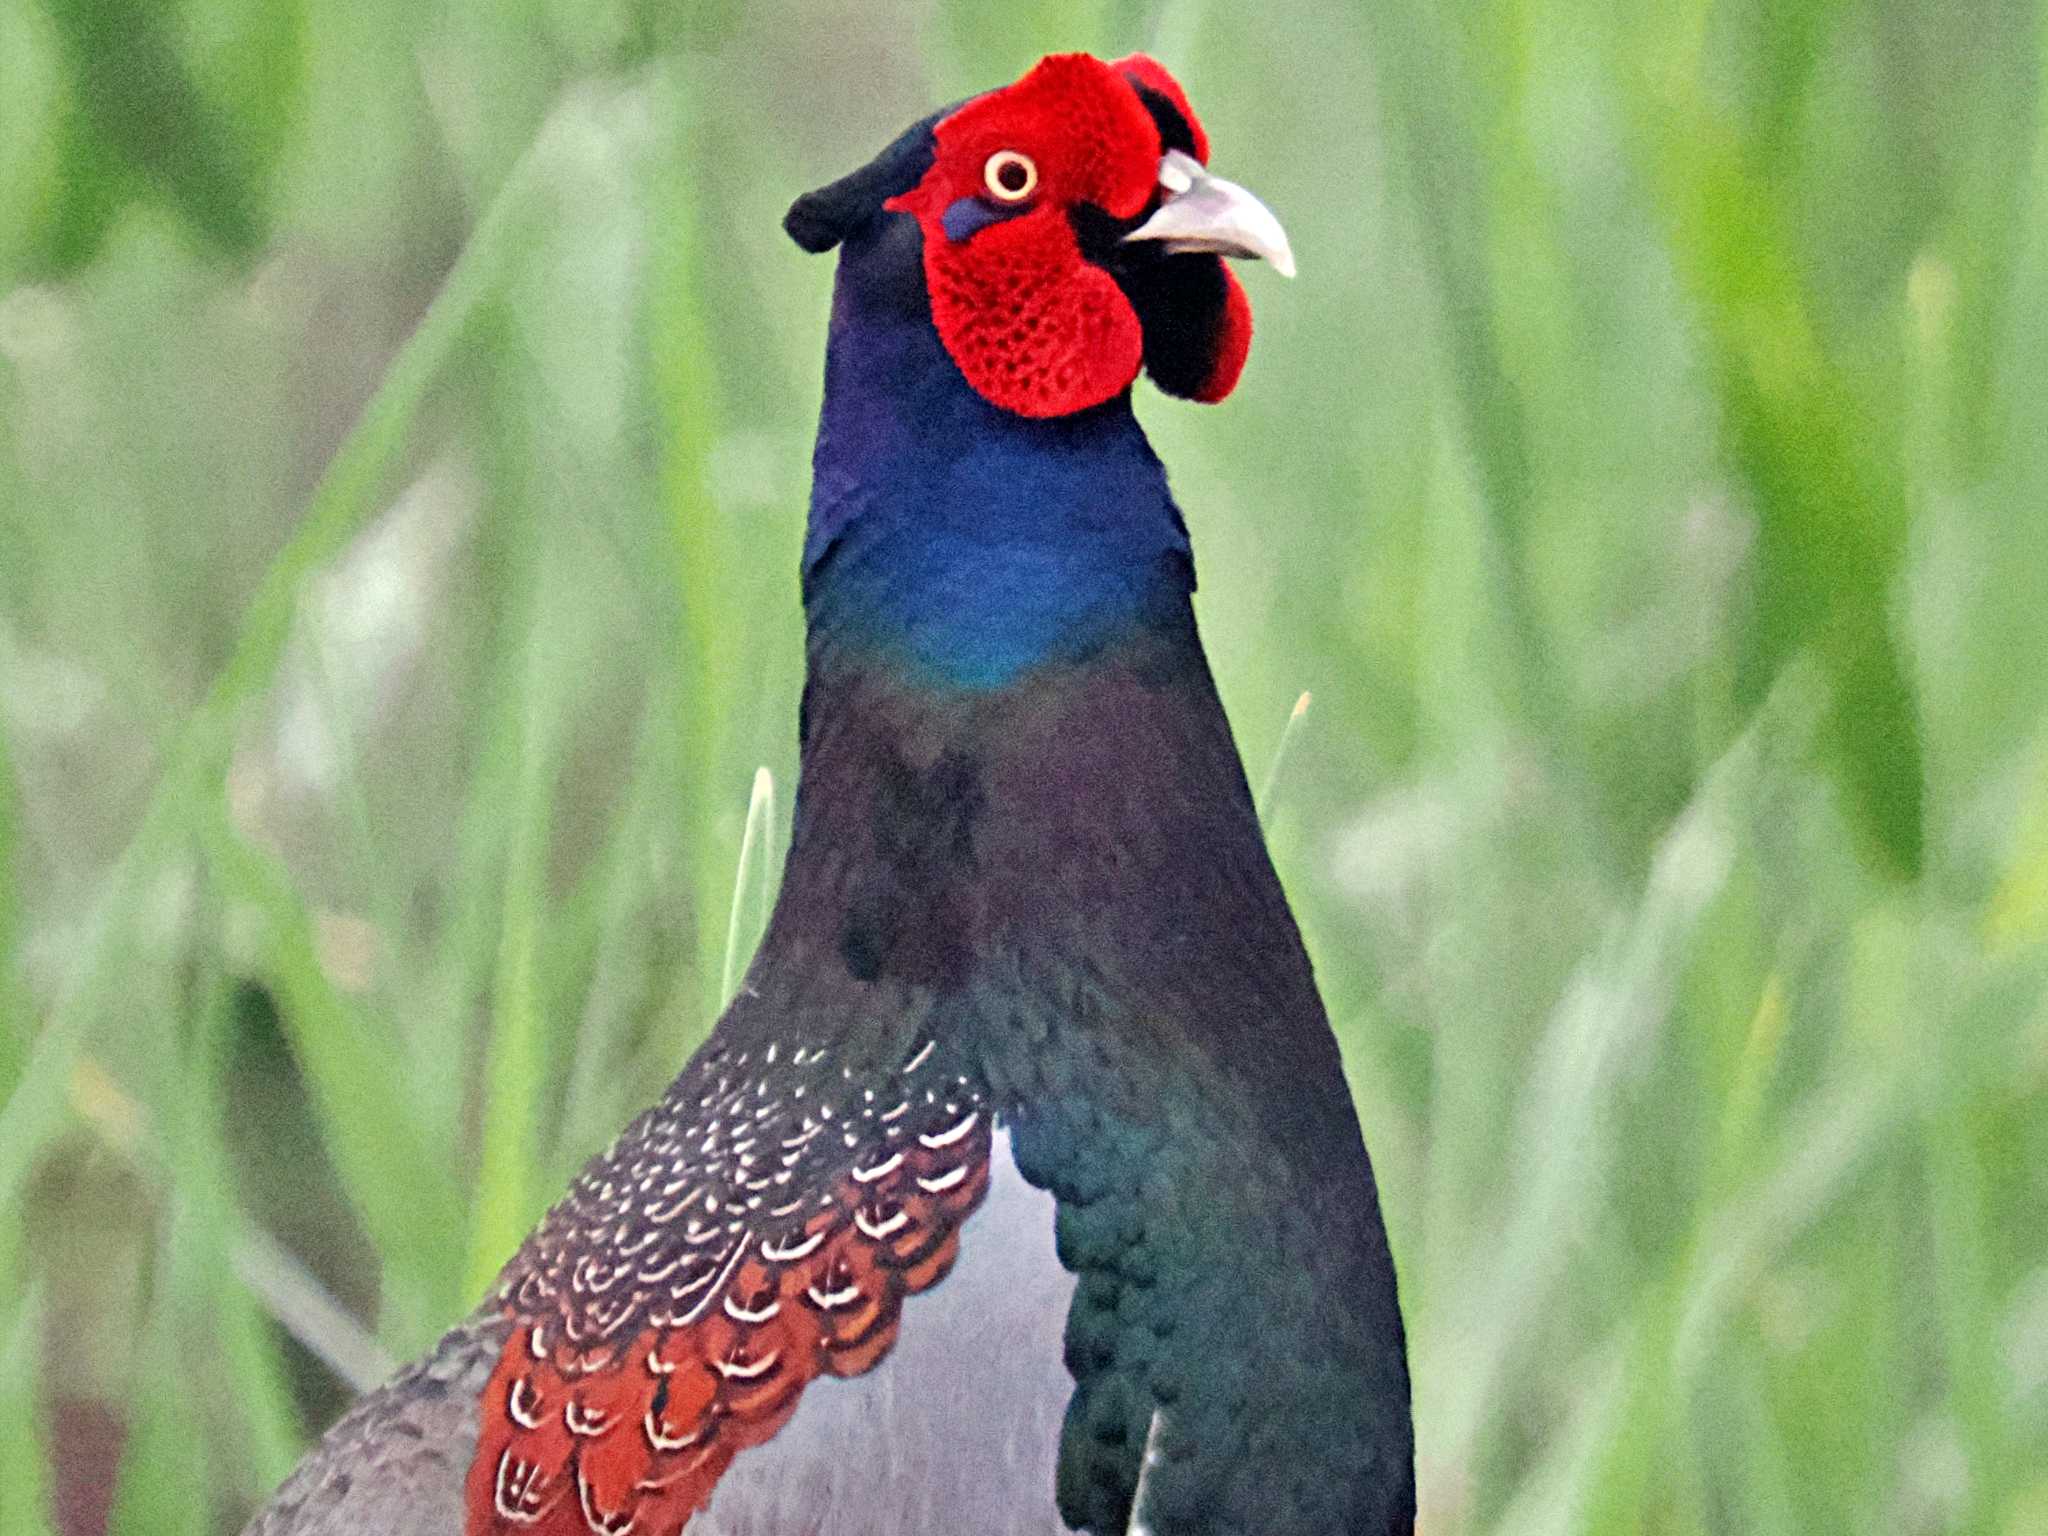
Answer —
(1174, 132)
(815, 222)
(819, 220)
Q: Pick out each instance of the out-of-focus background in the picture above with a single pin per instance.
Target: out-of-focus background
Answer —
(405, 412)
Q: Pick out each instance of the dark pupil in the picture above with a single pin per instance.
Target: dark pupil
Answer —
(1012, 175)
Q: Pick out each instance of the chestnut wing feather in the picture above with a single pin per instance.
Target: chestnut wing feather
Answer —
(758, 1228)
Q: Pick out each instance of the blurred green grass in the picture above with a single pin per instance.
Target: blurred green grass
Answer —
(404, 429)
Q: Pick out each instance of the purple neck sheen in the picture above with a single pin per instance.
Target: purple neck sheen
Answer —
(961, 543)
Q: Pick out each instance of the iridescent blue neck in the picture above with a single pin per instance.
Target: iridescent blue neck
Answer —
(958, 541)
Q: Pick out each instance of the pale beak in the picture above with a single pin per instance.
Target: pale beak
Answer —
(1207, 213)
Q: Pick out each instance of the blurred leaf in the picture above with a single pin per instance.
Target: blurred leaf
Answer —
(288, 1292)
(167, 1475)
(78, 204)
(36, 1107)
(701, 28)
(163, 1488)
(1976, 102)
(507, 1200)
(1616, 1481)
(982, 43)
(196, 764)
(16, 1025)
(24, 1467)
(356, 1073)
(1447, 78)
(143, 113)
(248, 60)
(559, 352)
(703, 549)
(219, 1324)
(32, 110)
(1944, 1070)
(1828, 1142)
(2017, 916)
(1830, 503)
(1454, 86)
(1614, 1010)
(636, 957)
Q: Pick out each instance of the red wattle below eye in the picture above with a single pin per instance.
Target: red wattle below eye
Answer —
(1030, 325)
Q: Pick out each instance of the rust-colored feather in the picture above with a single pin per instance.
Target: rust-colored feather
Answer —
(653, 1343)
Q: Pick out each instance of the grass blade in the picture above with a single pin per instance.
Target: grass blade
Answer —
(24, 1463)
(1270, 785)
(195, 767)
(752, 885)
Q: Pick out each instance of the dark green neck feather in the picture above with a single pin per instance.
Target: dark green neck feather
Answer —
(1065, 880)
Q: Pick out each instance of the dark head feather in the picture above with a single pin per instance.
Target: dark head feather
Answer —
(819, 220)
(1175, 132)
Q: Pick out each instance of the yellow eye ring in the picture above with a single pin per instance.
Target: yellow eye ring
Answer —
(1009, 176)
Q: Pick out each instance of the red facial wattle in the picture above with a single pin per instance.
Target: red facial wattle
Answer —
(1233, 343)
(1033, 324)
(1034, 327)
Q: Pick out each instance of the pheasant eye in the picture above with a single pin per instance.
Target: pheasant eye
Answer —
(1011, 177)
